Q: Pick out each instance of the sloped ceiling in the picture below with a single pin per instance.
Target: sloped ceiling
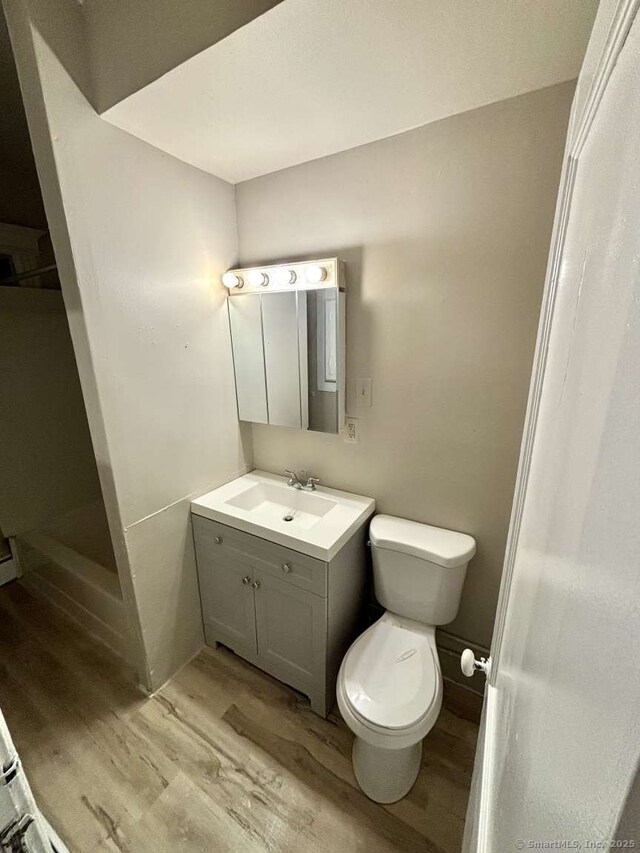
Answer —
(133, 42)
(308, 79)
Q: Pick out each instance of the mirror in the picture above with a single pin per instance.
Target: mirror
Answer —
(245, 319)
(322, 360)
(281, 316)
(288, 345)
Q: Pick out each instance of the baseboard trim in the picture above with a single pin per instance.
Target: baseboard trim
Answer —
(41, 588)
(462, 700)
(450, 647)
(454, 643)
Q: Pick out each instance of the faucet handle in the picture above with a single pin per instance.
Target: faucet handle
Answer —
(311, 483)
(293, 477)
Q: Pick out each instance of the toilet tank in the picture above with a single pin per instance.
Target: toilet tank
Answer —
(418, 570)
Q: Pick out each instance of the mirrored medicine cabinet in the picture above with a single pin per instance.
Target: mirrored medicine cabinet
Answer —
(288, 340)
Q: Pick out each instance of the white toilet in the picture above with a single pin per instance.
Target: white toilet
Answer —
(390, 685)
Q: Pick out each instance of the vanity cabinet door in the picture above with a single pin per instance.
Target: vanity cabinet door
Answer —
(291, 629)
(228, 611)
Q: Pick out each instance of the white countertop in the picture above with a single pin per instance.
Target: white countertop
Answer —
(257, 503)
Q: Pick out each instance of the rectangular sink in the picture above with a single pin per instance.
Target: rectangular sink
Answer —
(314, 523)
(269, 502)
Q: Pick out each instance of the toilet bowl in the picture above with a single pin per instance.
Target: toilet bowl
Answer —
(389, 687)
(389, 694)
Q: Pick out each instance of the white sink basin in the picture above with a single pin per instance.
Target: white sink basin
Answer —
(269, 503)
(315, 523)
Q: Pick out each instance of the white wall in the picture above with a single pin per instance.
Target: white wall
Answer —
(48, 465)
(445, 231)
(140, 239)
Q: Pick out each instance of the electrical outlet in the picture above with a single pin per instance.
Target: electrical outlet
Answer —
(351, 432)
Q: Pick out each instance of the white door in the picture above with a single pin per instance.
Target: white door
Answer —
(560, 742)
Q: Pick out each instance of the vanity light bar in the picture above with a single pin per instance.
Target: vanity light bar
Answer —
(306, 275)
(230, 279)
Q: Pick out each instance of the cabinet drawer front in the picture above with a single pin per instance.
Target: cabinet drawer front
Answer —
(219, 542)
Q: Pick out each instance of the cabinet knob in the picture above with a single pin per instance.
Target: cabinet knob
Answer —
(256, 584)
(246, 579)
(218, 540)
(286, 567)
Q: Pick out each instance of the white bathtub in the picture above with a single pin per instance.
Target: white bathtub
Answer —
(71, 564)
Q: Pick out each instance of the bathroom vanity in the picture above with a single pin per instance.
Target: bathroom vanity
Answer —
(281, 574)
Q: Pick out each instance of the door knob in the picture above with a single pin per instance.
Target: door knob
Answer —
(286, 567)
(256, 584)
(246, 579)
(470, 664)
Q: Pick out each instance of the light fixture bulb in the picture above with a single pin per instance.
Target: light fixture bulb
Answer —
(315, 274)
(284, 275)
(257, 278)
(232, 279)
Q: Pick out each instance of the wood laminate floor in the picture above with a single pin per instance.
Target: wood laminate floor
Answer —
(223, 758)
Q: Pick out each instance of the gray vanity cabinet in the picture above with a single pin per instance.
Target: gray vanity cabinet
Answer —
(291, 628)
(287, 613)
(227, 599)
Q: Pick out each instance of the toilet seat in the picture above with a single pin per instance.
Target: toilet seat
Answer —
(390, 677)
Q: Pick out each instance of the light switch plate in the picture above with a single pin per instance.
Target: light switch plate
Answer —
(363, 393)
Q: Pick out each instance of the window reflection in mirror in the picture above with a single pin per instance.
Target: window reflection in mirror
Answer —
(322, 359)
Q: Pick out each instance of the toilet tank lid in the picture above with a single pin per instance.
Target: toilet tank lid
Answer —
(443, 547)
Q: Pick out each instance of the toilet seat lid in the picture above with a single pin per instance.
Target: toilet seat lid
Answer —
(391, 675)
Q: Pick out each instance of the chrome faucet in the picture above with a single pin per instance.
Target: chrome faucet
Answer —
(295, 483)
